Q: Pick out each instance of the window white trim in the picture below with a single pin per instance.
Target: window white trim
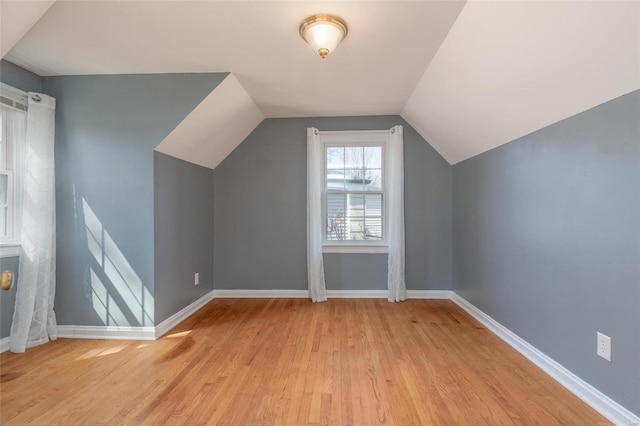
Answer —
(13, 98)
(13, 134)
(346, 139)
(10, 206)
(354, 137)
(9, 250)
(355, 248)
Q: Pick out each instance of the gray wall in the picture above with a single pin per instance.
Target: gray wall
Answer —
(19, 78)
(260, 212)
(22, 79)
(183, 233)
(106, 129)
(8, 297)
(355, 271)
(547, 241)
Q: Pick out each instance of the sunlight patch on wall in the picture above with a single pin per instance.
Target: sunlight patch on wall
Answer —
(104, 305)
(122, 282)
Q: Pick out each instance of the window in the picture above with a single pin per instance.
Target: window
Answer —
(355, 202)
(12, 124)
(353, 198)
(354, 193)
(6, 182)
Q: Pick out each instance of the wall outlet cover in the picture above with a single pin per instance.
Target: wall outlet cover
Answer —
(196, 278)
(604, 346)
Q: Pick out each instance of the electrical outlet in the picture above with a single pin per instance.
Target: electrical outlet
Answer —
(196, 278)
(604, 346)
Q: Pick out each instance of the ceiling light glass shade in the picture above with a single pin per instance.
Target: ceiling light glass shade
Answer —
(323, 33)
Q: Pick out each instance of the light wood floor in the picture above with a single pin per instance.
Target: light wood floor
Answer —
(289, 361)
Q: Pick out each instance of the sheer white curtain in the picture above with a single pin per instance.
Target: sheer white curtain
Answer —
(395, 199)
(315, 264)
(34, 321)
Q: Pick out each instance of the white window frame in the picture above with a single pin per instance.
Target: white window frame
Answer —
(346, 139)
(14, 99)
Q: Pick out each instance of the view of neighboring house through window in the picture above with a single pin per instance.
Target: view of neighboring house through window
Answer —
(354, 193)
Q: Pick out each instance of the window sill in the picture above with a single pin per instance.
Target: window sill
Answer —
(354, 248)
(9, 249)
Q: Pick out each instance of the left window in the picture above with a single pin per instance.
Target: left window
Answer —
(13, 126)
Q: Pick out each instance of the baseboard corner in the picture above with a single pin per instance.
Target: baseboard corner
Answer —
(175, 319)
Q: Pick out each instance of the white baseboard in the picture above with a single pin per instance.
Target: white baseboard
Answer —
(182, 315)
(132, 333)
(357, 294)
(5, 344)
(429, 294)
(106, 332)
(260, 294)
(331, 294)
(298, 294)
(583, 390)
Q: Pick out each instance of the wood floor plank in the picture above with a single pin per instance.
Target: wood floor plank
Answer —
(291, 362)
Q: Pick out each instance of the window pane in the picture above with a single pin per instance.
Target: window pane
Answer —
(373, 205)
(335, 179)
(336, 220)
(355, 206)
(3, 221)
(335, 205)
(373, 216)
(335, 158)
(356, 228)
(373, 157)
(373, 180)
(354, 180)
(2, 147)
(352, 216)
(4, 205)
(4, 190)
(353, 157)
(355, 216)
(373, 228)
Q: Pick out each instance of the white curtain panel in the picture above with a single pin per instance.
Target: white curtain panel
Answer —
(34, 321)
(395, 199)
(315, 264)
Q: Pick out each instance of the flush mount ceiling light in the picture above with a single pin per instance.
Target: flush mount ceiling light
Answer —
(323, 32)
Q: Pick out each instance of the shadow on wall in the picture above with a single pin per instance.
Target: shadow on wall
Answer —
(118, 295)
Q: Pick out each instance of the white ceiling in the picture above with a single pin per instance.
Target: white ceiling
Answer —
(17, 18)
(372, 72)
(467, 81)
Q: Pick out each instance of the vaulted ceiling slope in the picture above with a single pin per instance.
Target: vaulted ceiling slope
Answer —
(507, 69)
(17, 18)
(215, 127)
(468, 76)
